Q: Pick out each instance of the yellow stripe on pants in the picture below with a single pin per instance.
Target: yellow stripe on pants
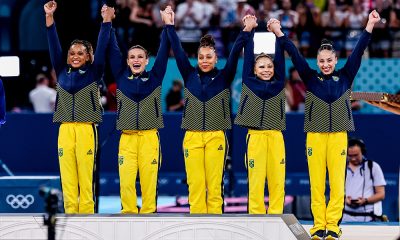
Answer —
(204, 153)
(327, 151)
(139, 151)
(77, 149)
(265, 159)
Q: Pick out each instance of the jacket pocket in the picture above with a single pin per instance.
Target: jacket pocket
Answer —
(92, 98)
(310, 112)
(223, 107)
(184, 108)
(119, 108)
(156, 107)
(348, 110)
(244, 103)
(56, 103)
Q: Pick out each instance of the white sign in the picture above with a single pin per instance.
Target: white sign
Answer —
(264, 42)
(9, 66)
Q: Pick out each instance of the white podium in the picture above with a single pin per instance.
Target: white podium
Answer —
(155, 226)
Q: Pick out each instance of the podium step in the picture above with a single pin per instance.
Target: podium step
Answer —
(155, 226)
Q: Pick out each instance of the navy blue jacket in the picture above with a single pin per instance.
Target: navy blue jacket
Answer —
(202, 85)
(327, 105)
(328, 87)
(70, 79)
(139, 87)
(262, 102)
(263, 89)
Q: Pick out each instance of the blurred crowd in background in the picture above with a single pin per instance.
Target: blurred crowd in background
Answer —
(306, 22)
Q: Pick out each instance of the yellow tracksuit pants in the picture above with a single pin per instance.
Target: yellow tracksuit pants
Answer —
(77, 149)
(139, 151)
(265, 159)
(205, 153)
(327, 151)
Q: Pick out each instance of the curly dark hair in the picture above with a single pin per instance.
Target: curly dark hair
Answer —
(87, 45)
(207, 41)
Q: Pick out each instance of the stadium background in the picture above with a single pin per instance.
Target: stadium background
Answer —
(28, 140)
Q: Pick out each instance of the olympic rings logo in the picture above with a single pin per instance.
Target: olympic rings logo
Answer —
(20, 201)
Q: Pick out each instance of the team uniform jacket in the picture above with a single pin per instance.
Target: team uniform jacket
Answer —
(139, 97)
(77, 89)
(207, 95)
(327, 106)
(262, 103)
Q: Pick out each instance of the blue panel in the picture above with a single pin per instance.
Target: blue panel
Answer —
(29, 142)
(21, 194)
(29, 145)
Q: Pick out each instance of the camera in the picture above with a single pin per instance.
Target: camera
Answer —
(354, 203)
(52, 199)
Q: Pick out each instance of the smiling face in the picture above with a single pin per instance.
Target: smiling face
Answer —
(206, 59)
(326, 61)
(264, 68)
(77, 55)
(137, 60)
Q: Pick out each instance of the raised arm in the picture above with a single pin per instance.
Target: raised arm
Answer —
(298, 60)
(182, 60)
(115, 58)
(248, 60)
(2, 104)
(353, 63)
(279, 59)
(160, 64)
(107, 14)
(52, 37)
(229, 70)
(114, 54)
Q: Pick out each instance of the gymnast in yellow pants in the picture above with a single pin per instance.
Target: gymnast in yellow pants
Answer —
(328, 118)
(139, 118)
(205, 118)
(139, 151)
(77, 150)
(78, 110)
(262, 111)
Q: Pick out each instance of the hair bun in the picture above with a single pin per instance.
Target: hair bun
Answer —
(326, 42)
(207, 41)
